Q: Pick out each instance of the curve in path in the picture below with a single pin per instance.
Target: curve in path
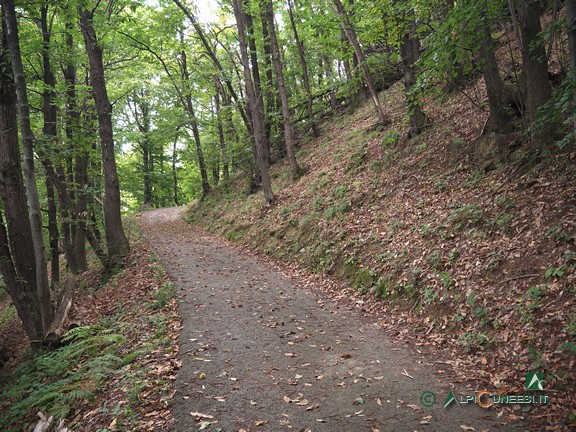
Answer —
(260, 353)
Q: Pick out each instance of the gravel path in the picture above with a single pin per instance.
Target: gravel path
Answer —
(259, 353)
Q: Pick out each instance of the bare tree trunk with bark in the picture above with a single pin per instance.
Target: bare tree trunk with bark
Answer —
(254, 106)
(351, 35)
(304, 66)
(410, 52)
(286, 120)
(28, 141)
(116, 240)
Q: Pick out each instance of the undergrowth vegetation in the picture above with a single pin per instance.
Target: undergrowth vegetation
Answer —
(109, 364)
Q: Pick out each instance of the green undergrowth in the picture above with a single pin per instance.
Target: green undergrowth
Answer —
(101, 368)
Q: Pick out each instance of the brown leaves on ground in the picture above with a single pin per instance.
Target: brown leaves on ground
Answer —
(142, 404)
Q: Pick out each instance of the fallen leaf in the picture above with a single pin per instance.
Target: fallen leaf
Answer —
(200, 415)
(467, 428)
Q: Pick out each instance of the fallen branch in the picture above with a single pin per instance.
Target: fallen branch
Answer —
(526, 276)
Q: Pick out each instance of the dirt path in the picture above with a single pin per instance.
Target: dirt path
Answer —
(261, 354)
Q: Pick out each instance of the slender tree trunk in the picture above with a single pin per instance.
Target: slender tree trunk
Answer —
(499, 119)
(194, 124)
(76, 249)
(50, 132)
(221, 136)
(286, 120)
(17, 265)
(571, 24)
(255, 69)
(351, 35)
(53, 234)
(268, 87)
(255, 106)
(28, 141)
(116, 240)
(304, 66)
(174, 170)
(410, 52)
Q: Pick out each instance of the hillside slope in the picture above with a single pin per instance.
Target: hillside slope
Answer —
(450, 248)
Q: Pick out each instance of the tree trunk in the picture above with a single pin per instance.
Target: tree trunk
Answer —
(221, 137)
(116, 240)
(28, 141)
(255, 69)
(255, 106)
(76, 244)
(50, 131)
(410, 52)
(268, 87)
(189, 106)
(304, 66)
(534, 63)
(16, 263)
(499, 119)
(174, 170)
(351, 35)
(571, 24)
(286, 120)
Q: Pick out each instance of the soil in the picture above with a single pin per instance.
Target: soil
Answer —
(261, 351)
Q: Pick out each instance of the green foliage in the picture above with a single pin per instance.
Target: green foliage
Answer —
(390, 139)
(54, 382)
(465, 215)
(475, 340)
(163, 295)
(560, 110)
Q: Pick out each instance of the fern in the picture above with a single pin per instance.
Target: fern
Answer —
(54, 382)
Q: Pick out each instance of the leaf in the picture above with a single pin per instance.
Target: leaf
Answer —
(467, 428)
(346, 356)
(359, 401)
(200, 415)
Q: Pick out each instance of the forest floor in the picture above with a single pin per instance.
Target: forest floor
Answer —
(262, 350)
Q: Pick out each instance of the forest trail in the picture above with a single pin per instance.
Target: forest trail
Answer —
(260, 353)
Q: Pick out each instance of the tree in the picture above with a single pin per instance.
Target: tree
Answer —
(117, 243)
(410, 52)
(499, 120)
(28, 139)
(254, 105)
(286, 120)
(536, 86)
(571, 24)
(351, 35)
(304, 66)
